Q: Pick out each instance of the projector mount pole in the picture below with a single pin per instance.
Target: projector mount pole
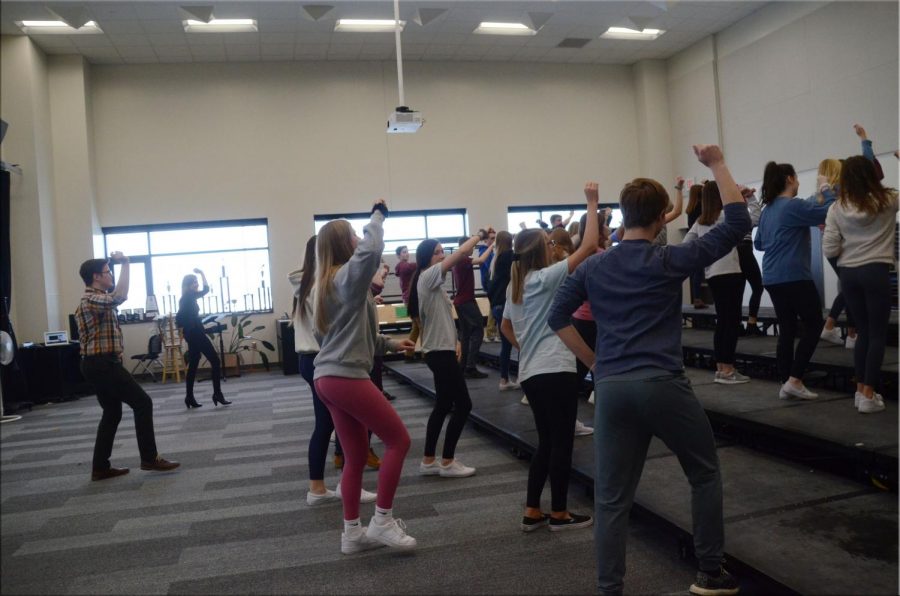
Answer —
(402, 107)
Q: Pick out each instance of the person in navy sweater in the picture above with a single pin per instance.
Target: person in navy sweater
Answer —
(641, 390)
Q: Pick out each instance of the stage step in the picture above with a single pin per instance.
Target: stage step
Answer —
(808, 531)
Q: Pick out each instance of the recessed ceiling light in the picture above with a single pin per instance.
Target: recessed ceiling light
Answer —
(58, 27)
(367, 25)
(626, 33)
(487, 28)
(220, 26)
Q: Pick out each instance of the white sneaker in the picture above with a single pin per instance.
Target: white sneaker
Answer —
(591, 398)
(732, 378)
(364, 495)
(582, 430)
(871, 406)
(392, 534)
(858, 397)
(314, 500)
(356, 540)
(788, 391)
(508, 385)
(832, 336)
(456, 470)
(524, 400)
(850, 343)
(432, 469)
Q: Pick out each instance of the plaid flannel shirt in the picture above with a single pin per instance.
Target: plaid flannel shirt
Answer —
(98, 323)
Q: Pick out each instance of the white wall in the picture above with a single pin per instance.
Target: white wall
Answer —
(287, 141)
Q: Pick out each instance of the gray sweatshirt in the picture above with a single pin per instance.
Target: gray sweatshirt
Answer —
(857, 238)
(352, 342)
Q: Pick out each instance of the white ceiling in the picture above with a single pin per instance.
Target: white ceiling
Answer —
(151, 32)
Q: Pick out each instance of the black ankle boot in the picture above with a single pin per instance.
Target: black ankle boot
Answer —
(190, 402)
(218, 398)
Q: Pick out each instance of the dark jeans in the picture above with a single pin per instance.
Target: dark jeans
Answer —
(505, 346)
(868, 293)
(839, 303)
(318, 442)
(696, 283)
(796, 300)
(728, 293)
(630, 409)
(553, 399)
(114, 387)
(588, 332)
(199, 345)
(750, 269)
(471, 332)
(452, 395)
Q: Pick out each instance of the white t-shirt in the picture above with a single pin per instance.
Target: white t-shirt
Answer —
(435, 311)
(540, 349)
(728, 264)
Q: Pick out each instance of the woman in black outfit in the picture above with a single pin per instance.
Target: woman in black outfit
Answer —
(188, 318)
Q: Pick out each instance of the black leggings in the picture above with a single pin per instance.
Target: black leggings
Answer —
(318, 442)
(839, 303)
(471, 332)
(793, 300)
(868, 293)
(750, 268)
(588, 332)
(199, 345)
(554, 404)
(728, 292)
(452, 395)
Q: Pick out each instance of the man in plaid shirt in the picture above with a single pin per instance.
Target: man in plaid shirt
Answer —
(101, 364)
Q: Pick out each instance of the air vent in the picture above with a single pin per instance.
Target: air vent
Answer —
(573, 42)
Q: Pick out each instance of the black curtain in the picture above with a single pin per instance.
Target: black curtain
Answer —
(14, 386)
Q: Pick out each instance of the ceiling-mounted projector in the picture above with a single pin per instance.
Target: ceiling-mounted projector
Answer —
(404, 120)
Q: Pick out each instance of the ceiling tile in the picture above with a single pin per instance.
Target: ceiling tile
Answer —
(163, 26)
(208, 51)
(277, 37)
(121, 27)
(141, 60)
(107, 60)
(133, 40)
(113, 11)
(277, 26)
(156, 10)
(136, 51)
(277, 48)
(166, 39)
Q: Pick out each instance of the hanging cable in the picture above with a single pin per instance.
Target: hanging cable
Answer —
(399, 54)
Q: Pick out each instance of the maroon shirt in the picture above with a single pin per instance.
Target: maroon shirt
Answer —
(405, 271)
(464, 278)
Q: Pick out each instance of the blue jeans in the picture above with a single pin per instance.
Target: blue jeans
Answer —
(505, 346)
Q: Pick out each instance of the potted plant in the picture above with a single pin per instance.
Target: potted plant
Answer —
(241, 340)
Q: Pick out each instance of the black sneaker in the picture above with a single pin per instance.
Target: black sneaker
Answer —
(572, 523)
(530, 524)
(723, 584)
(474, 373)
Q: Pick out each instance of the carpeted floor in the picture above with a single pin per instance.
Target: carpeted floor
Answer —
(233, 519)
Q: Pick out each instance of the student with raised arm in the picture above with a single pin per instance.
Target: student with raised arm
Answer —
(188, 318)
(347, 325)
(429, 302)
(546, 367)
(859, 232)
(471, 323)
(783, 235)
(641, 389)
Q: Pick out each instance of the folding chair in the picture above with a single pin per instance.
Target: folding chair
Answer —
(145, 361)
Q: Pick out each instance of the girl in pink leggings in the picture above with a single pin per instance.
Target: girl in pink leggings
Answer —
(346, 322)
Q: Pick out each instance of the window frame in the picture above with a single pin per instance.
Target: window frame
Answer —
(326, 217)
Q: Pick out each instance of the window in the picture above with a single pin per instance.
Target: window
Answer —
(529, 215)
(409, 227)
(233, 254)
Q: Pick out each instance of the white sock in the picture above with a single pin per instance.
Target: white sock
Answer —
(350, 524)
(383, 516)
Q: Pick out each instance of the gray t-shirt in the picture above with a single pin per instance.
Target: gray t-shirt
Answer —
(435, 311)
(541, 351)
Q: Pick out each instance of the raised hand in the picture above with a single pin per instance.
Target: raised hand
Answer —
(709, 155)
(198, 271)
(860, 132)
(592, 192)
(747, 192)
(118, 257)
(679, 183)
(380, 205)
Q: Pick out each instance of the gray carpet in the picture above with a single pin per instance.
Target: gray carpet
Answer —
(233, 519)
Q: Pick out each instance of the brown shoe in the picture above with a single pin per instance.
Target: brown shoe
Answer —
(338, 461)
(108, 473)
(159, 465)
(373, 461)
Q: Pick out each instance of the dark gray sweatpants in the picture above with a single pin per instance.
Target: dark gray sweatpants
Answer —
(631, 408)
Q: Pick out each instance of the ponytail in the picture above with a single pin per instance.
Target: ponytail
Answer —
(424, 252)
(775, 180)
